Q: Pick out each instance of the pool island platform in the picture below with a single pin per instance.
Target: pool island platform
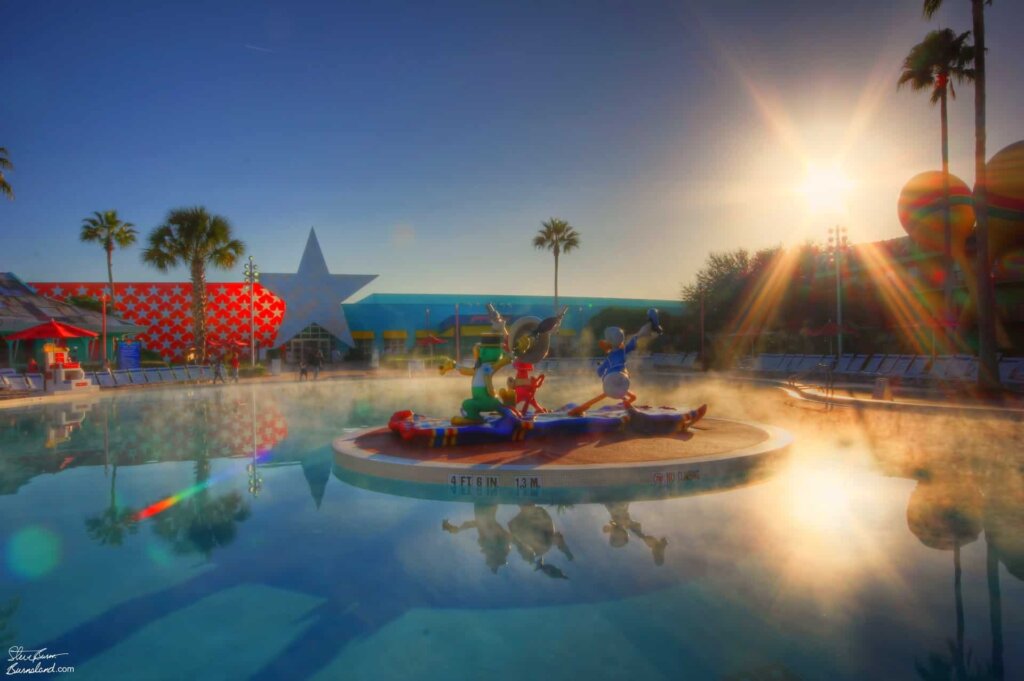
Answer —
(712, 454)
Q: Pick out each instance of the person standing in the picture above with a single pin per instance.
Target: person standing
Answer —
(234, 366)
(318, 363)
(218, 370)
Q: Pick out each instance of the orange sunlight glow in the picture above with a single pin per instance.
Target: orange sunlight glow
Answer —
(825, 188)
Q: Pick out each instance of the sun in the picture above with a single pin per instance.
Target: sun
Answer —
(825, 188)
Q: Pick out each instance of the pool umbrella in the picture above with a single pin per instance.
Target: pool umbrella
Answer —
(51, 329)
(430, 340)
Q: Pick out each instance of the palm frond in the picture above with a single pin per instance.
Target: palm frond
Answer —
(930, 7)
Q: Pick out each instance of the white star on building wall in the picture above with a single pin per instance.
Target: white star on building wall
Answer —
(314, 295)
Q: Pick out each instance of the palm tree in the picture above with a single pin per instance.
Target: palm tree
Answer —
(988, 374)
(107, 230)
(5, 164)
(558, 236)
(933, 64)
(193, 237)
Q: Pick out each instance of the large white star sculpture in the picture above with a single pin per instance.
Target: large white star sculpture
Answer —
(314, 295)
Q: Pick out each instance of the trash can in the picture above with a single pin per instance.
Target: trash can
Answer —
(883, 390)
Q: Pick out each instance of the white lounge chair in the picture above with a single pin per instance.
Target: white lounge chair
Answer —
(36, 382)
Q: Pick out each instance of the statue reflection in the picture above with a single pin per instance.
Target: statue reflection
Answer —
(490, 535)
(531, 531)
(622, 524)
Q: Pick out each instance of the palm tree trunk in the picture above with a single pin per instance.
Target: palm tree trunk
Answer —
(988, 369)
(947, 230)
(199, 308)
(110, 274)
(556, 279)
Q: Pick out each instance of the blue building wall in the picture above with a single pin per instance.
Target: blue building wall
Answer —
(410, 312)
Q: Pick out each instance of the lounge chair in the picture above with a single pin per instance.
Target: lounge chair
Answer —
(870, 367)
(122, 377)
(36, 382)
(105, 379)
(899, 366)
(918, 369)
(180, 374)
(153, 375)
(138, 376)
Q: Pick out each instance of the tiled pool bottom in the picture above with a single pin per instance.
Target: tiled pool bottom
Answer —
(842, 564)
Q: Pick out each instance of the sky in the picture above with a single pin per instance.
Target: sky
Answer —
(426, 142)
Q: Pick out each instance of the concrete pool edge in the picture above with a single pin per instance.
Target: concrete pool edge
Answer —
(475, 480)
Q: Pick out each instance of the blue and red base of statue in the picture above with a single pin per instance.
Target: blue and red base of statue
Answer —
(505, 425)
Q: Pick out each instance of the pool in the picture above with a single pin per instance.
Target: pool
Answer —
(209, 533)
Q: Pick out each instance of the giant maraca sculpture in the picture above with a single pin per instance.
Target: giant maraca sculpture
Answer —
(921, 213)
(1005, 182)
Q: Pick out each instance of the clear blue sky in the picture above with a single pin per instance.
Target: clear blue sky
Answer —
(426, 141)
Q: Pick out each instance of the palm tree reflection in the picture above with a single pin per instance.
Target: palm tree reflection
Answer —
(110, 526)
(202, 522)
(946, 515)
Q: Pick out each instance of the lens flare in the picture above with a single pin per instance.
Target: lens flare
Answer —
(33, 552)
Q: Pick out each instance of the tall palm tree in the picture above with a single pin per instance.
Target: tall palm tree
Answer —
(988, 373)
(107, 230)
(933, 64)
(193, 237)
(5, 164)
(558, 236)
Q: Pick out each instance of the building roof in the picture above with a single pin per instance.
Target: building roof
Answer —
(439, 299)
(21, 308)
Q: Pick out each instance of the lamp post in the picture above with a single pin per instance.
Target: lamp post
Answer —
(837, 243)
(252, 276)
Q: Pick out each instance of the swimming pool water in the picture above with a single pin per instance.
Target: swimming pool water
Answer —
(207, 533)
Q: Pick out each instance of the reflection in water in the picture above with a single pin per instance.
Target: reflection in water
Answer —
(110, 526)
(948, 510)
(946, 515)
(621, 524)
(490, 535)
(8, 635)
(531, 531)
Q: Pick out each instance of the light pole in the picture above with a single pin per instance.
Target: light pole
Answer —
(252, 276)
(837, 243)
